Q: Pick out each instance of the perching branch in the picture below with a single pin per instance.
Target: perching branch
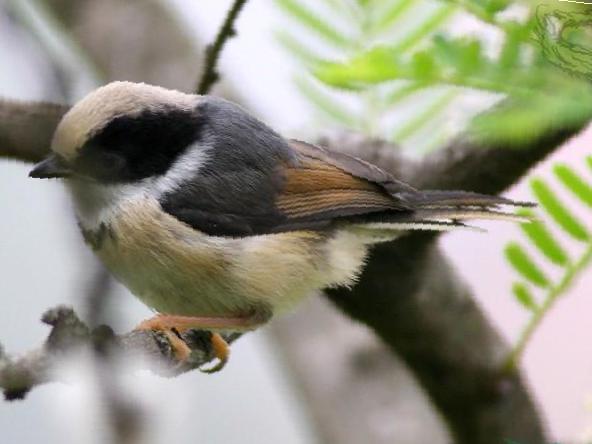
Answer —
(69, 335)
(210, 74)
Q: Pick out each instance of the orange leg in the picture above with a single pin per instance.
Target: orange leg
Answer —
(169, 323)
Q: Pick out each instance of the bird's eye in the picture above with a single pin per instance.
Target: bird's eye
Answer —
(100, 164)
(110, 162)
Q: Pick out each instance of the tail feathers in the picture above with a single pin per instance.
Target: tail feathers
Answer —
(465, 213)
(441, 199)
(444, 210)
(417, 225)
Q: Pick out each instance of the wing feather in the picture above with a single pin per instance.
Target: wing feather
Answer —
(311, 188)
(321, 185)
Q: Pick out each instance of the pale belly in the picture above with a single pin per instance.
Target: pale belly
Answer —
(177, 270)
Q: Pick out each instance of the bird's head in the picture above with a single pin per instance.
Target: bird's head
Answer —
(122, 133)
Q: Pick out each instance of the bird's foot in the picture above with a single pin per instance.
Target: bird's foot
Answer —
(173, 326)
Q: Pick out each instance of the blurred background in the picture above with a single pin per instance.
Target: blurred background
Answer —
(59, 50)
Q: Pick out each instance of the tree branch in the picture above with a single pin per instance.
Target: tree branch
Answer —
(70, 335)
(468, 163)
(135, 40)
(210, 74)
(412, 298)
(26, 128)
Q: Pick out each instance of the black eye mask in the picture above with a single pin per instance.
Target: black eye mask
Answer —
(128, 148)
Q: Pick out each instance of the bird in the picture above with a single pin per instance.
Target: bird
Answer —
(218, 223)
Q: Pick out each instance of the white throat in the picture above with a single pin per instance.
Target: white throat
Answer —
(98, 204)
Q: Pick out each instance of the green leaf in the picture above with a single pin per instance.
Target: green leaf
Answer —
(313, 22)
(574, 183)
(483, 9)
(423, 117)
(524, 296)
(462, 56)
(388, 17)
(571, 268)
(545, 98)
(300, 51)
(524, 265)
(494, 6)
(542, 238)
(551, 203)
(344, 8)
(589, 161)
(524, 118)
(375, 66)
(325, 103)
(510, 54)
(403, 92)
(428, 26)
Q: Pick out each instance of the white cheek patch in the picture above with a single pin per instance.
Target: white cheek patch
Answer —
(98, 204)
(183, 169)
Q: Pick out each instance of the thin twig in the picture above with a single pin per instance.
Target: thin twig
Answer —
(210, 74)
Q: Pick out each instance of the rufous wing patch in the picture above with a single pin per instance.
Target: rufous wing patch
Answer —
(314, 187)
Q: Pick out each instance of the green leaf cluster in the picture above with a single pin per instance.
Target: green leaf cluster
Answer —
(549, 248)
(543, 64)
(347, 29)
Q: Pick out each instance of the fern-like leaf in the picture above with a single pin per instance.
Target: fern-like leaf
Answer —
(551, 249)
(311, 21)
(574, 183)
(538, 233)
(391, 14)
(524, 296)
(544, 97)
(558, 211)
(524, 265)
(404, 25)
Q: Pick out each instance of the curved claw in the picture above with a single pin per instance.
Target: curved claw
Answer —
(221, 351)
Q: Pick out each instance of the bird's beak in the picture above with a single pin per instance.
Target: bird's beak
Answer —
(52, 167)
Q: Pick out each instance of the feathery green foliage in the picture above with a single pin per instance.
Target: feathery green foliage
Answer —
(543, 64)
(347, 28)
(550, 249)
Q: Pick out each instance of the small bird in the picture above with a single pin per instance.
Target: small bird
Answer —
(218, 223)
